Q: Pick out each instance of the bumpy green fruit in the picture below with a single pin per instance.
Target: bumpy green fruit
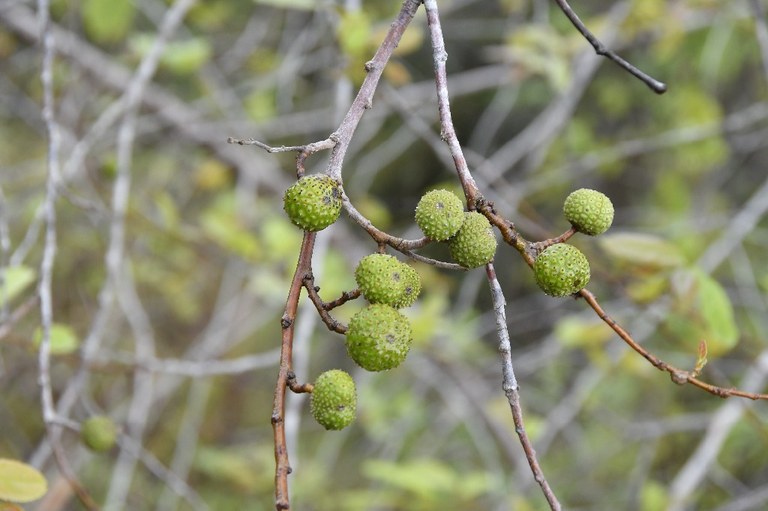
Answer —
(333, 401)
(98, 433)
(439, 214)
(589, 211)
(378, 338)
(474, 245)
(410, 289)
(561, 270)
(383, 279)
(313, 202)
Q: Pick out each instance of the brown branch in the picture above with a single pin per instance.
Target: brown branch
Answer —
(679, 376)
(364, 99)
(282, 464)
(654, 84)
(298, 388)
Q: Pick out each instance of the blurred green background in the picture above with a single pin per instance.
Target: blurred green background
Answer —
(208, 252)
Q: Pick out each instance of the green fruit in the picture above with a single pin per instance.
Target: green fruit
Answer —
(561, 270)
(98, 433)
(378, 338)
(439, 214)
(383, 279)
(475, 244)
(410, 289)
(333, 401)
(589, 211)
(313, 202)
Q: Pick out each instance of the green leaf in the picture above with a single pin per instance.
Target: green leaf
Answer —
(20, 482)
(63, 339)
(108, 21)
(16, 280)
(644, 250)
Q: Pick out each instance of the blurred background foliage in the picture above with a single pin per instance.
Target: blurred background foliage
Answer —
(211, 254)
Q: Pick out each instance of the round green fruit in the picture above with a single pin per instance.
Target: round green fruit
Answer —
(475, 244)
(98, 433)
(410, 289)
(439, 214)
(561, 270)
(334, 400)
(589, 211)
(313, 202)
(378, 338)
(383, 279)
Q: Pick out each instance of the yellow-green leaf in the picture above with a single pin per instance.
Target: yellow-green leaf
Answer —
(108, 21)
(643, 250)
(20, 482)
(63, 339)
(16, 280)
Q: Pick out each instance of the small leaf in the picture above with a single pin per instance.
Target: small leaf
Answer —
(63, 339)
(20, 482)
(643, 250)
(16, 279)
(701, 361)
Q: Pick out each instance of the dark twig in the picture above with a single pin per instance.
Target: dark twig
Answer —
(344, 298)
(679, 376)
(655, 85)
(321, 306)
(282, 464)
(539, 246)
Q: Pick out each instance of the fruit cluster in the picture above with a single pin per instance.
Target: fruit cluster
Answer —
(561, 269)
(379, 337)
(441, 217)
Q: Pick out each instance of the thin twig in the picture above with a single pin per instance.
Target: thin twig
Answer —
(282, 464)
(447, 130)
(475, 200)
(511, 387)
(49, 255)
(654, 84)
(679, 376)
